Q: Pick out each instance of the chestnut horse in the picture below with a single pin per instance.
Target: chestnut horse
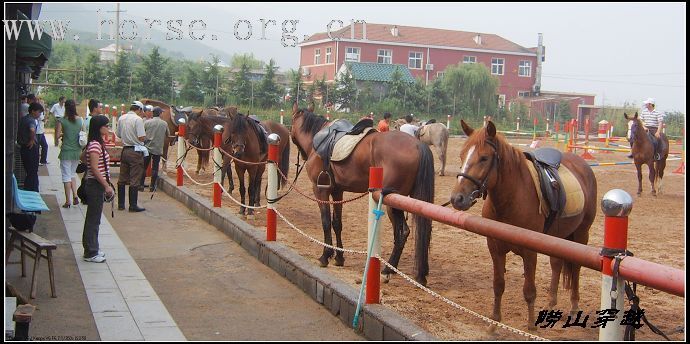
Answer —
(408, 167)
(491, 166)
(200, 134)
(643, 153)
(247, 142)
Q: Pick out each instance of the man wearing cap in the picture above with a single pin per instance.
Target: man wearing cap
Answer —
(148, 113)
(654, 121)
(130, 128)
(156, 132)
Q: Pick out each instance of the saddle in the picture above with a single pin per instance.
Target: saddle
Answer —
(546, 162)
(325, 140)
(261, 133)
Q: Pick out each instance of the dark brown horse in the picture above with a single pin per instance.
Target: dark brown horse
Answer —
(408, 167)
(643, 153)
(200, 134)
(491, 165)
(247, 142)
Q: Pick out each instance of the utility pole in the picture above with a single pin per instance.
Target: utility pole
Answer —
(217, 88)
(129, 94)
(117, 37)
(172, 91)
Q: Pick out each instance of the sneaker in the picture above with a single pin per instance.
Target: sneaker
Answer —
(101, 253)
(95, 259)
(41, 164)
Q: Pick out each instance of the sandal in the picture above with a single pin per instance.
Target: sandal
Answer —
(66, 205)
(76, 200)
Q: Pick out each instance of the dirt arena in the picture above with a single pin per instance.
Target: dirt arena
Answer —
(460, 264)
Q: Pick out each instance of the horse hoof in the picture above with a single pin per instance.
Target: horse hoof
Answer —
(251, 217)
(386, 278)
(323, 262)
(491, 329)
(421, 280)
(339, 261)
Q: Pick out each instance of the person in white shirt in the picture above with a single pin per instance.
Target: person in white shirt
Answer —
(409, 127)
(654, 121)
(130, 128)
(58, 111)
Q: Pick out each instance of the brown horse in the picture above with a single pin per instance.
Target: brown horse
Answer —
(200, 134)
(491, 166)
(643, 153)
(433, 134)
(168, 116)
(248, 142)
(408, 167)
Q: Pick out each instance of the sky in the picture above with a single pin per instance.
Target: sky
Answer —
(622, 52)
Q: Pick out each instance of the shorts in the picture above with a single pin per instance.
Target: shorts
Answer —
(68, 169)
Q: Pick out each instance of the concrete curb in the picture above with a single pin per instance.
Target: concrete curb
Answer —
(378, 322)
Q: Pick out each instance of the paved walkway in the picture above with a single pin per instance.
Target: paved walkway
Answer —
(167, 273)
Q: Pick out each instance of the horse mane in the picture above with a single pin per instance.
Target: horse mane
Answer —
(312, 123)
(240, 124)
(510, 158)
(147, 101)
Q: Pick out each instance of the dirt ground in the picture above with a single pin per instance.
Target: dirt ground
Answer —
(460, 264)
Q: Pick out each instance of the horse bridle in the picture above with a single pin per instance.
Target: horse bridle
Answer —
(481, 190)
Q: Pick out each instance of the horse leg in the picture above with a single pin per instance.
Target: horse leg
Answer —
(325, 209)
(581, 235)
(198, 161)
(556, 267)
(442, 156)
(652, 177)
(242, 190)
(529, 289)
(639, 179)
(499, 261)
(660, 166)
(338, 226)
(400, 233)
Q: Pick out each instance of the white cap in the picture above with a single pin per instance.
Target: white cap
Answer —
(649, 101)
(149, 107)
(138, 103)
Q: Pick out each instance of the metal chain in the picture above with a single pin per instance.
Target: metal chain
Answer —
(316, 240)
(453, 304)
(238, 202)
(294, 186)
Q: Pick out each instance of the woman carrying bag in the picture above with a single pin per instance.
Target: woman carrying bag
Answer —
(97, 186)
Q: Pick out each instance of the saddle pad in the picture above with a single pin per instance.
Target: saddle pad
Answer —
(347, 144)
(574, 196)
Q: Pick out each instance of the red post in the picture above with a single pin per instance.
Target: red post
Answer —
(217, 193)
(681, 168)
(271, 222)
(180, 151)
(374, 273)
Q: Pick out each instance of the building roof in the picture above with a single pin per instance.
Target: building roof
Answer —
(369, 71)
(424, 36)
(111, 48)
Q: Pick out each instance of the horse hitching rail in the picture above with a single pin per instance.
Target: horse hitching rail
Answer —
(651, 274)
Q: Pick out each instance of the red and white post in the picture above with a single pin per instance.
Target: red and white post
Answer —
(616, 206)
(282, 115)
(217, 159)
(374, 272)
(272, 190)
(181, 130)
(586, 155)
(518, 124)
(448, 123)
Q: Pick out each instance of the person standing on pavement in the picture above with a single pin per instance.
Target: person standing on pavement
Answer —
(41, 137)
(130, 128)
(97, 186)
(26, 138)
(70, 151)
(58, 111)
(156, 132)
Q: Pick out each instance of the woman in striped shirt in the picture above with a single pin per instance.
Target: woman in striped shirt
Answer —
(97, 185)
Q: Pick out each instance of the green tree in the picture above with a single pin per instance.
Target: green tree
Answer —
(94, 75)
(119, 75)
(246, 59)
(345, 92)
(296, 88)
(471, 88)
(152, 78)
(269, 92)
(242, 86)
(213, 82)
(192, 89)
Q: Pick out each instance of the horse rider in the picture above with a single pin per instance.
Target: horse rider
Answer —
(409, 127)
(654, 121)
(130, 128)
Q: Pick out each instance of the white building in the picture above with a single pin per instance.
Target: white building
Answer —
(108, 53)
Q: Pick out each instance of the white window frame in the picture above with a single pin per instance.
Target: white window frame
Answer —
(351, 50)
(418, 56)
(525, 68)
(317, 56)
(383, 57)
(329, 56)
(469, 59)
(496, 67)
(440, 75)
(523, 94)
(501, 101)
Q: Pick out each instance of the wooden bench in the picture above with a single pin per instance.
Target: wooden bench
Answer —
(35, 247)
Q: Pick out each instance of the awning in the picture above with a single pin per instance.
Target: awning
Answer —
(35, 52)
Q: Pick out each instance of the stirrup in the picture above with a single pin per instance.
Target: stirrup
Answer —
(319, 183)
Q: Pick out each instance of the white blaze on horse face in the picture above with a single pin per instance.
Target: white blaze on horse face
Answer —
(466, 164)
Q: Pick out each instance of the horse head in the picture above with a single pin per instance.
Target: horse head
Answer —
(638, 128)
(305, 125)
(479, 157)
(235, 135)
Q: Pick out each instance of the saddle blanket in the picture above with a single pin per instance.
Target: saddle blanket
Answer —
(575, 197)
(344, 147)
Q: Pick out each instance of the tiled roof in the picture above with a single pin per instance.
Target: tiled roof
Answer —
(365, 71)
(426, 37)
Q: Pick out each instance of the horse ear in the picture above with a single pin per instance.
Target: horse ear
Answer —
(635, 114)
(310, 107)
(294, 107)
(626, 116)
(491, 129)
(466, 128)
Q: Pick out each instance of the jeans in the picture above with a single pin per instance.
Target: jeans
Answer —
(30, 162)
(41, 138)
(94, 194)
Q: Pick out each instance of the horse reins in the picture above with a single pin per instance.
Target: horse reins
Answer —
(481, 190)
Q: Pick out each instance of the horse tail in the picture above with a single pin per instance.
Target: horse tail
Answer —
(423, 190)
(568, 270)
(284, 166)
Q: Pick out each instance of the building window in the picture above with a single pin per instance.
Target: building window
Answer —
(440, 74)
(525, 68)
(317, 56)
(384, 56)
(523, 93)
(469, 59)
(501, 101)
(415, 60)
(352, 54)
(497, 66)
(328, 56)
